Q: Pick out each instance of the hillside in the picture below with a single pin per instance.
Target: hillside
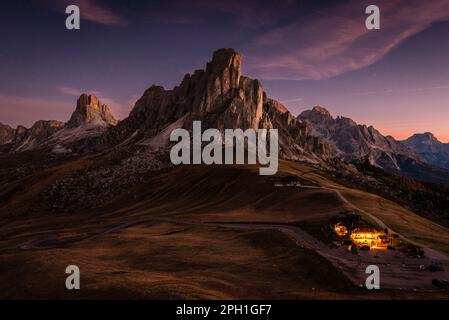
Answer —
(181, 214)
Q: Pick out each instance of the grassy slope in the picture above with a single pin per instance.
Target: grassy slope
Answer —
(169, 261)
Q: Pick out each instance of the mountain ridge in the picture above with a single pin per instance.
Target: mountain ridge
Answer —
(429, 148)
(89, 118)
(221, 97)
(354, 141)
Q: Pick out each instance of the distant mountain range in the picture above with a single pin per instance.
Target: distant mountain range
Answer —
(430, 149)
(90, 118)
(353, 142)
(221, 97)
(356, 143)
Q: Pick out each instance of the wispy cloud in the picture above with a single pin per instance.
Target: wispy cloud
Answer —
(92, 10)
(69, 91)
(326, 44)
(292, 100)
(410, 90)
(75, 92)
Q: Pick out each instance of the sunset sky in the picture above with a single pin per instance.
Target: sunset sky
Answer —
(305, 53)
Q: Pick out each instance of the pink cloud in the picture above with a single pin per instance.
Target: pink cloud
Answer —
(26, 111)
(75, 92)
(93, 11)
(323, 45)
(69, 91)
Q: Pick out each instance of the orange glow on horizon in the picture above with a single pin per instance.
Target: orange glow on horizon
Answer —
(400, 134)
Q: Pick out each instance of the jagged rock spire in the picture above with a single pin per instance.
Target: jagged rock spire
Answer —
(90, 110)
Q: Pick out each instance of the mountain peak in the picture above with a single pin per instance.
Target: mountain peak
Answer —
(353, 141)
(225, 59)
(318, 114)
(90, 110)
(426, 137)
(6, 133)
(222, 98)
(429, 135)
(322, 111)
(430, 148)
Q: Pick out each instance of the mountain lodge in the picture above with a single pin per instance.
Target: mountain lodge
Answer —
(367, 236)
(352, 228)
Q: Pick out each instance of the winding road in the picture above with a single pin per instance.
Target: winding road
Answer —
(398, 271)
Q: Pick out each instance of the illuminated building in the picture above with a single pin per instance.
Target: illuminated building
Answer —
(369, 237)
(341, 230)
(363, 236)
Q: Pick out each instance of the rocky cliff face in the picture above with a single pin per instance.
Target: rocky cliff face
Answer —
(358, 143)
(222, 98)
(6, 134)
(429, 148)
(218, 95)
(352, 141)
(24, 139)
(90, 111)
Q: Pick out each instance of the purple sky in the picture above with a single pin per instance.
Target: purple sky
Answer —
(305, 52)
